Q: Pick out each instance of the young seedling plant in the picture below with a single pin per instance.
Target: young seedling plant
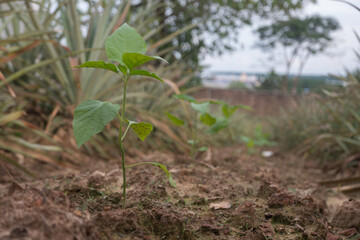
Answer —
(126, 47)
(202, 113)
(259, 139)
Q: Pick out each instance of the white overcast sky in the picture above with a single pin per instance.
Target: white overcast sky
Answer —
(338, 57)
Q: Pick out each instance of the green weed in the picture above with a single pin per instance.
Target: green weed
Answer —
(126, 47)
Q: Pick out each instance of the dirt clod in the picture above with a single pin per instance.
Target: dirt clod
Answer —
(267, 189)
(210, 228)
(244, 216)
(118, 221)
(96, 179)
(267, 230)
(279, 200)
(331, 236)
(347, 216)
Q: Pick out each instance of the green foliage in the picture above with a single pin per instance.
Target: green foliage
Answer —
(34, 31)
(257, 139)
(99, 64)
(207, 119)
(176, 121)
(129, 40)
(141, 129)
(133, 60)
(91, 116)
(138, 72)
(221, 123)
(202, 108)
(203, 113)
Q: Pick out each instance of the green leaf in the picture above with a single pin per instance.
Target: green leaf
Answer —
(145, 73)
(98, 64)
(141, 129)
(200, 107)
(192, 142)
(184, 97)
(203, 149)
(133, 60)
(245, 139)
(175, 120)
(207, 119)
(228, 111)
(123, 69)
(221, 123)
(90, 118)
(125, 39)
(168, 174)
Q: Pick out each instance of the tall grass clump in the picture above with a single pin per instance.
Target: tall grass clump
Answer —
(325, 127)
(42, 40)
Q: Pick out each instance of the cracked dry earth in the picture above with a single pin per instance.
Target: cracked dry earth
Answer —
(224, 194)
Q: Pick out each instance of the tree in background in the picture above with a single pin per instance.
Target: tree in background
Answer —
(271, 82)
(299, 38)
(215, 24)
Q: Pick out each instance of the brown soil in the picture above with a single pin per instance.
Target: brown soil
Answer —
(225, 194)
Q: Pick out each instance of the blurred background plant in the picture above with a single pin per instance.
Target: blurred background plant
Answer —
(324, 127)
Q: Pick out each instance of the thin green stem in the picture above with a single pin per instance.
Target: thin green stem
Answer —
(193, 153)
(123, 168)
(127, 129)
(137, 164)
(122, 118)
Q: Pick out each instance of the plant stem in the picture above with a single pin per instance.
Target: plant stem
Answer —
(122, 119)
(127, 129)
(123, 168)
(137, 164)
(193, 153)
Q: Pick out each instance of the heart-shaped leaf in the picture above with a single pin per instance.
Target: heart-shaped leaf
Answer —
(141, 129)
(125, 39)
(207, 119)
(98, 64)
(90, 118)
(175, 120)
(228, 111)
(200, 107)
(133, 59)
(145, 73)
